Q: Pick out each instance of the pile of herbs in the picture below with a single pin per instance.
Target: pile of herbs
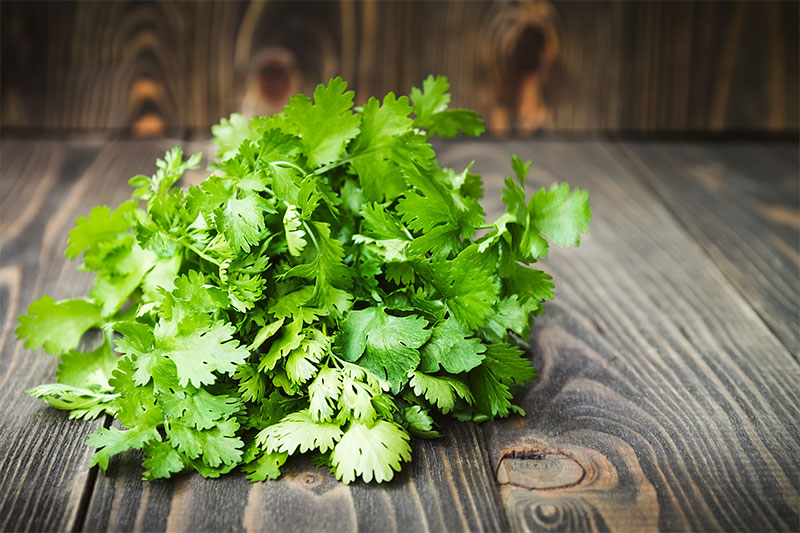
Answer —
(328, 289)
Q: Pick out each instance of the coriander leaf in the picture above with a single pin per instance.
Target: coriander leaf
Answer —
(559, 215)
(433, 98)
(373, 149)
(162, 461)
(266, 465)
(419, 423)
(430, 109)
(229, 134)
(298, 431)
(122, 276)
(294, 235)
(216, 446)
(201, 352)
(327, 125)
(384, 344)
(450, 348)
(509, 364)
(58, 326)
(99, 226)
(79, 401)
(356, 398)
(372, 452)
(111, 441)
(323, 393)
(199, 408)
(492, 397)
(87, 369)
(440, 390)
(468, 289)
(241, 220)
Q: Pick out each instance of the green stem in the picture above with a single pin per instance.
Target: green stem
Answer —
(199, 252)
(311, 234)
(288, 164)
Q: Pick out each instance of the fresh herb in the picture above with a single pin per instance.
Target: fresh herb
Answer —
(328, 289)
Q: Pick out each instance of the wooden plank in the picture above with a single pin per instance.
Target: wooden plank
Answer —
(658, 380)
(155, 67)
(45, 482)
(741, 202)
(42, 190)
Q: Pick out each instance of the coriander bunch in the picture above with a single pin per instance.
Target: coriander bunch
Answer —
(323, 291)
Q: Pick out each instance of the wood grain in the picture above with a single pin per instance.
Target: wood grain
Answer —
(41, 189)
(657, 377)
(155, 68)
(664, 402)
(742, 204)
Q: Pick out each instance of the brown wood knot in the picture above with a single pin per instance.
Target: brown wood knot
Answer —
(143, 99)
(539, 470)
(310, 480)
(273, 78)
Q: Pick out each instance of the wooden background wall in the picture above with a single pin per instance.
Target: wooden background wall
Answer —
(152, 68)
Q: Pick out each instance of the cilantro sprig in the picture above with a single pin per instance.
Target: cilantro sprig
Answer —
(328, 289)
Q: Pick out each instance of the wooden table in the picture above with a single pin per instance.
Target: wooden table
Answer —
(668, 396)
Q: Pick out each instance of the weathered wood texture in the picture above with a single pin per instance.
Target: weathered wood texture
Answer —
(742, 204)
(150, 68)
(665, 401)
(658, 378)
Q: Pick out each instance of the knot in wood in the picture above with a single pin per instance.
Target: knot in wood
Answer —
(310, 480)
(547, 514)
(533, 469)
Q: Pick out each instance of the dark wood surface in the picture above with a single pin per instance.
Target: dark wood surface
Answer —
(668, 394)
(158, 67)
(742, 204)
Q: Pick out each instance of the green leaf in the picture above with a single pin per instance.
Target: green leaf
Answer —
(216, 446)
(87, 369)
(492, 398)
(111, 441)
(327, 125)
(469, 290)
(509, 364)
(419, 422)
(99, 226)
(299, 432)
(199, 408)
(79, 401)
(241, 220)
(559, 215)
(162, 461)
(323, 393)
(441, 391)
(202, 352)
(430, 109)
(450, 348)
(122, 276)
(372, 452)
(58, 326)
(384, 344)
(294, 235)
(266, 465)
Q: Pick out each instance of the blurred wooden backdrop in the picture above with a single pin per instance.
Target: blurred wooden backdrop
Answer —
(153, 68)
